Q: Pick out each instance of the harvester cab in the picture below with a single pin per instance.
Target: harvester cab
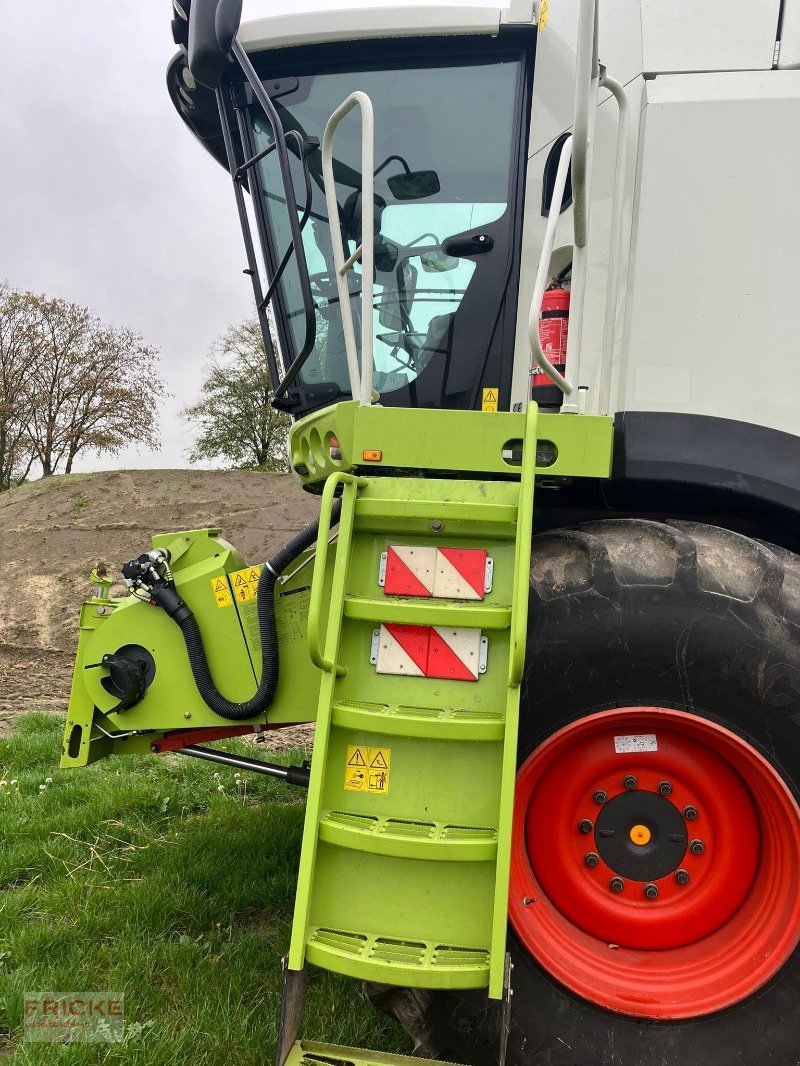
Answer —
(419, 254)
(393, 244)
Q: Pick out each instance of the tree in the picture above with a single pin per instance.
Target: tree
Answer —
(16, 326)
(234, 417)
(94, 387)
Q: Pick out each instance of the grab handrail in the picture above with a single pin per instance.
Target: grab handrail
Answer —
(539, 358)
(360, 382)
(314, 627)
(590, 76)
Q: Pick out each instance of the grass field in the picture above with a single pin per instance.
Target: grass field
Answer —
(157, 880)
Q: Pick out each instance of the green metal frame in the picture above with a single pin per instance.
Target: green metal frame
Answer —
(410, 442)
(445, 441)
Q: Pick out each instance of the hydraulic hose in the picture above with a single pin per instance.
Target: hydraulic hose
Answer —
(265, 600)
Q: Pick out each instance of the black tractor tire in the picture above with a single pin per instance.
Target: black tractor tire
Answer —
(640, 613)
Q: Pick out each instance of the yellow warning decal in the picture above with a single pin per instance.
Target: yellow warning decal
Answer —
(245, 583)
(489, 401)
(544, 13)
(222, 594)
(367, 769)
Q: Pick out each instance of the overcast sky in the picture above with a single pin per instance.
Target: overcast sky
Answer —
(105, 197)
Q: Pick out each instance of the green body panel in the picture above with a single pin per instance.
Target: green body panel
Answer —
(411, 442)
(231, 639)
(311, 1053)
(379, 873)
(445, 441)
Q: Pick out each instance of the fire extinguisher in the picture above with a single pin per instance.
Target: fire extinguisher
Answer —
(553, 329)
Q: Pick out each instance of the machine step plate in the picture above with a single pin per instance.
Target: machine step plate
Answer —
(310, 1053)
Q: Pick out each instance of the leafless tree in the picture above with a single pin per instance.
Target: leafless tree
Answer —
(16, 394)
(95, 387)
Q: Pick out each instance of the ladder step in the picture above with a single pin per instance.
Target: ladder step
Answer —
(428, 723)
(382, 515)
(416, 963)
(311, 1053)
(405, 838)
(459, 615)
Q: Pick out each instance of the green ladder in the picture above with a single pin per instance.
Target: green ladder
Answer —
(404, 868)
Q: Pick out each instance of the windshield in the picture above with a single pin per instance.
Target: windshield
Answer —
(446, 140)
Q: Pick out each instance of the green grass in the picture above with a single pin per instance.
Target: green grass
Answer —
(155, 879)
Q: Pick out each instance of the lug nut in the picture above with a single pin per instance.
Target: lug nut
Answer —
(616, 884)
(630, 782)
(682, 877)
(690, 813)
(592, 859)
(651, 891)
(585, 826)
(697, 847)
(600, 796)
(665, 788)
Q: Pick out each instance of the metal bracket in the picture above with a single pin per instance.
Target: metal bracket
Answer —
(375, 646)
(489, 574)
(382, 570)
(483, 655)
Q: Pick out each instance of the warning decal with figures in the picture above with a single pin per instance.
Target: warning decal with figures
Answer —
(222, 592)
(245, 583)
(367, 769)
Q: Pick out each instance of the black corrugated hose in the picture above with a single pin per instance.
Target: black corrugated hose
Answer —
(271, 570)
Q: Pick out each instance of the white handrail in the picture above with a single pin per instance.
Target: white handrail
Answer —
(360, 382)
(615, 247)
(539, 358)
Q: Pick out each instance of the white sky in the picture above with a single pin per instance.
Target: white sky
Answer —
(105, 197)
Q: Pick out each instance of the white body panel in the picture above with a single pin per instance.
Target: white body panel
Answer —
(708, 35)
(711, 252)
(369, 22)
(713, 299)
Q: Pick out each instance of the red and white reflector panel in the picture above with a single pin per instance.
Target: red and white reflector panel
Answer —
(446, 573)
(429, 651)
(410, 571)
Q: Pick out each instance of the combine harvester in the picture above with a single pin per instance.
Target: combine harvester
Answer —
(547, 623)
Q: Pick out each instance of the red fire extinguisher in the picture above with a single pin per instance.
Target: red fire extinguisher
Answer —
(553, 328)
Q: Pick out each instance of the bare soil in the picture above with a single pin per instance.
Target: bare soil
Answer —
(54, 531)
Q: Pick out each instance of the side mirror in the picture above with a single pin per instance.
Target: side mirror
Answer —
(213, 24)
(414, 185)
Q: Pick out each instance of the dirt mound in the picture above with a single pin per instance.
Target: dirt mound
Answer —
(52, 532)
